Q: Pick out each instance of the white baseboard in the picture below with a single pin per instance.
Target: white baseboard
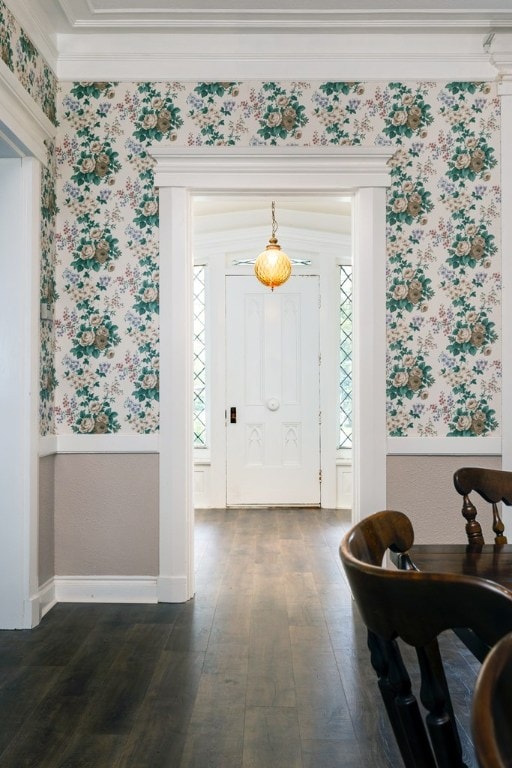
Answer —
(105, 589)
(46, 597)
(173, 589)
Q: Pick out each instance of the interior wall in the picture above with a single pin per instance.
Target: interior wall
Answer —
(106, 514)
(46, 554)
(443, 227)
(422, 488)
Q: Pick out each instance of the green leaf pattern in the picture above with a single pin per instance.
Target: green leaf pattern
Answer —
(443, 260)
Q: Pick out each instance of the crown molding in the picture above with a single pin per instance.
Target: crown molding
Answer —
(23, 116)
(130, 16)
(133, 43)
(499, 48)
(35, 26)
(286, 56)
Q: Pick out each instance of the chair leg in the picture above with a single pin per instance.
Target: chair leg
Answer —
(436, 699)
(401, 705)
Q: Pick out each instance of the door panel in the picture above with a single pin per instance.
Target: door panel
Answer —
(272, 372)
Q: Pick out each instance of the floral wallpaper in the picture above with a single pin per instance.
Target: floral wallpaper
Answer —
(20, 55)
(48, 294)
(443, 264)
(25, 61)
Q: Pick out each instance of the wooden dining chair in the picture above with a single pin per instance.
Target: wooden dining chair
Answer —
(493, 485)
(416, 607)
(491, 717)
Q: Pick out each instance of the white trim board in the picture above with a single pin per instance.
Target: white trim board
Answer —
(133, 444)
(444, 446)
(221, 66)
(105, 589)
(23, 116)
(106, 443)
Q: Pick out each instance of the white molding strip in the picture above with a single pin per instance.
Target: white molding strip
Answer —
(444, 446)
(441, 446)
(188, 55)
(105, 589)
(189, 67)
(47, 445)
(23, 116)
(99, 444)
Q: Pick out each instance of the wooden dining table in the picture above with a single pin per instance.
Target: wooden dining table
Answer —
(487, 561)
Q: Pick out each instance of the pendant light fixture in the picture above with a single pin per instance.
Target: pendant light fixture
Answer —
(273, 267)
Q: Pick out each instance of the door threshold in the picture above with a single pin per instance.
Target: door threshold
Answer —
(273, 506)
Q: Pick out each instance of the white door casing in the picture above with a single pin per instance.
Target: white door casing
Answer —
(183, 172)
(19, 269)
(272, 380)
(31, 128)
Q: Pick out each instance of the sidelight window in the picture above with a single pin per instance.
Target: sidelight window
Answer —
(200, 372)
(345, 368)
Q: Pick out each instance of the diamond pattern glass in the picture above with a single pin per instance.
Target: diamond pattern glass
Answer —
(200, 420)
(345, 431)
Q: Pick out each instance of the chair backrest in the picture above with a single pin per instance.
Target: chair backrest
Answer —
(493, 485)
(416, 607)
(491, 717)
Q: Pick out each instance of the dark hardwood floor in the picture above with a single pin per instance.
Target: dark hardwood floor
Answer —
(267, 667)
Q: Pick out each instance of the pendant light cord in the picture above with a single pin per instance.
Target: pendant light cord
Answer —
(274, 222)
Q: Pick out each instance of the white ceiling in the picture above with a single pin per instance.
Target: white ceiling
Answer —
(68, 16)
(322, 213)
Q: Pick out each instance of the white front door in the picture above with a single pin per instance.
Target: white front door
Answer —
(273, 392)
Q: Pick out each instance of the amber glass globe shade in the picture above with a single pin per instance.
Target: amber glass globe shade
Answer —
(272, 267)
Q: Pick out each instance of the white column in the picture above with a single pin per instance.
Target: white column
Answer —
(369, 352)
(175, 582)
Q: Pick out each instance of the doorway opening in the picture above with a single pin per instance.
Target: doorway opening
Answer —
(181, 174)
(270, 451)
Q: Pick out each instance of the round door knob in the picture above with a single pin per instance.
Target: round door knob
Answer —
(273, 404)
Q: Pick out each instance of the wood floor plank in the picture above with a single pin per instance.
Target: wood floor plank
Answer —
(272, 738)
(267, 667)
